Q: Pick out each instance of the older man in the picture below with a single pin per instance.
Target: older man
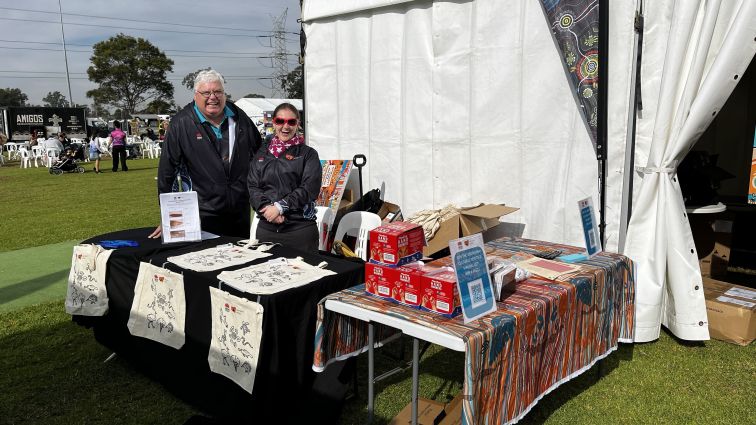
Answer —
(209, 144)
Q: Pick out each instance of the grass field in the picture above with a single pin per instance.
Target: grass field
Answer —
(52, 370)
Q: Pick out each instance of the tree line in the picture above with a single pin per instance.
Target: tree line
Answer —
(131, 77)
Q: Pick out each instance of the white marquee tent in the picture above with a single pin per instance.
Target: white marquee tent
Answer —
(467, 101)
(254, 107)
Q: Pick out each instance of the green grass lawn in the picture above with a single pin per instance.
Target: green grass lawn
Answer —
(52, 370)
(39, 208)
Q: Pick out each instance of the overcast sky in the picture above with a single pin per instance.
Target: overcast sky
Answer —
(37, 72)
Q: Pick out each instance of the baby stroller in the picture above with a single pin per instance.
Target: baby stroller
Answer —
(67, 162)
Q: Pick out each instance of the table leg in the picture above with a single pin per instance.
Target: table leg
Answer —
(415, 378)
(371, 371)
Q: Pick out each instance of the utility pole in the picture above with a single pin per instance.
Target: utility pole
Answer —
(65, 55)
(280, 56)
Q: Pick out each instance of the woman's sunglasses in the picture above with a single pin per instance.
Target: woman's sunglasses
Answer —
(280, 121)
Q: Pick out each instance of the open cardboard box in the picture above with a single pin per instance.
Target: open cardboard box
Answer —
(390, 212)
(731, 311)
(468, 222)
(429, 412)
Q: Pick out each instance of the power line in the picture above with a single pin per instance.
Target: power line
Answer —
(139, 20)
(138, 29)
(166, 50)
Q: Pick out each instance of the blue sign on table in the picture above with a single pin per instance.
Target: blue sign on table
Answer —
(473, 278)
(590, 227)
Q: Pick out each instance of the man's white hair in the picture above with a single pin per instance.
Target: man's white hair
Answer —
(208, 76)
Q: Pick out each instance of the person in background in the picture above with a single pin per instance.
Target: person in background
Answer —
(210, 143)
(65, 141)
(94, 151)
(284, 181)
(117, 143)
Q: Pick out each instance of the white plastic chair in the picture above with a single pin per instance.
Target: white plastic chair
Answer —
(38, 155)
(324, 221)
(12, 149)
(24, 157)
(363, 222)
(52, 155)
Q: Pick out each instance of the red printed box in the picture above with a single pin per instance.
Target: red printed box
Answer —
(440, 294)
(378, 280)
(411, 281)
(395, 244)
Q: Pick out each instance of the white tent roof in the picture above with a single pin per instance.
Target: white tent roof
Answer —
(254, 107)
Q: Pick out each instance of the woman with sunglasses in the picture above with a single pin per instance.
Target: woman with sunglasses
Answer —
(284, 181)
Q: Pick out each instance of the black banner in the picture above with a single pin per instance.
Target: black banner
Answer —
(47, 122)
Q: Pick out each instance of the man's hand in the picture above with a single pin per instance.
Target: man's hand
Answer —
(270, 212)
(156, 233)
(279, 220)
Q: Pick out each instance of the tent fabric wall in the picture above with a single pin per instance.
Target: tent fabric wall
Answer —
(693, 53)
(454, 102)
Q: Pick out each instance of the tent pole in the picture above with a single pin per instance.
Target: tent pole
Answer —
(635, 106)
(601, 136)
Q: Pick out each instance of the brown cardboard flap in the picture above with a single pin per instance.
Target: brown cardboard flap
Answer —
(479, 219)
(429, 412)
(487, 211)
(449, 230)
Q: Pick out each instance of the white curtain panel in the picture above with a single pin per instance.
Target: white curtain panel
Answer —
(452, 102)
(693, 55)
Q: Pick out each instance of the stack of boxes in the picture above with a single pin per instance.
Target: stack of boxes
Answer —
(394, 272)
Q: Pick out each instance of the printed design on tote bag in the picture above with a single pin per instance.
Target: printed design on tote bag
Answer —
(274, 276)
(217, 258)
(86, 293)
(235, 337)
(158, 311)
(163, 313)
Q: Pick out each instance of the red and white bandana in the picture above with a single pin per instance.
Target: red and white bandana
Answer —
(277, 147)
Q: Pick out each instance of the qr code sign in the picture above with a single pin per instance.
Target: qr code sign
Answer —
(476, 293)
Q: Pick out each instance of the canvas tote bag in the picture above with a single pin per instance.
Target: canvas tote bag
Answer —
(235, 338)
(86, 294)
(159, 308)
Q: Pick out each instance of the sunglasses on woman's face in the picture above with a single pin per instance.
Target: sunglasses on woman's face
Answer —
(280, 121)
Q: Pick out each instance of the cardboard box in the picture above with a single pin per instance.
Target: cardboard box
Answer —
(453, 412)
(399, 284)
(440, 294)
(429, 412)
(712, 235)
(468, 222)
(390, 213)
(377, 281)
(395, 244)
(731, 311)
(411, 281)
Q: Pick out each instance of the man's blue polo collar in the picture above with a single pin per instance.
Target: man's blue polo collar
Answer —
(227, 112)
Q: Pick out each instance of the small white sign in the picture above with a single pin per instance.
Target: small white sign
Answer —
(179, 215)
(590, 226)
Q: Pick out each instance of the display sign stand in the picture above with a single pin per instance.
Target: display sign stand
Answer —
(473, 278)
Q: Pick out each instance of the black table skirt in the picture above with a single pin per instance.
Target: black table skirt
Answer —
(286, 389)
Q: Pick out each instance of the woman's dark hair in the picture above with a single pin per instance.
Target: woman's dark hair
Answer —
(288, 106)
(117, 124)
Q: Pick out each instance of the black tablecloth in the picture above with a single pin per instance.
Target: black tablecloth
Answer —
(286, 389)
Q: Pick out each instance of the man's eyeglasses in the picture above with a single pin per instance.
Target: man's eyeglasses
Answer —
(206, 94)
(280, 121)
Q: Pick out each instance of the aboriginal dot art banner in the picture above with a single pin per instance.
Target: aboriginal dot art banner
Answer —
(543, 334)
(575, 26)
